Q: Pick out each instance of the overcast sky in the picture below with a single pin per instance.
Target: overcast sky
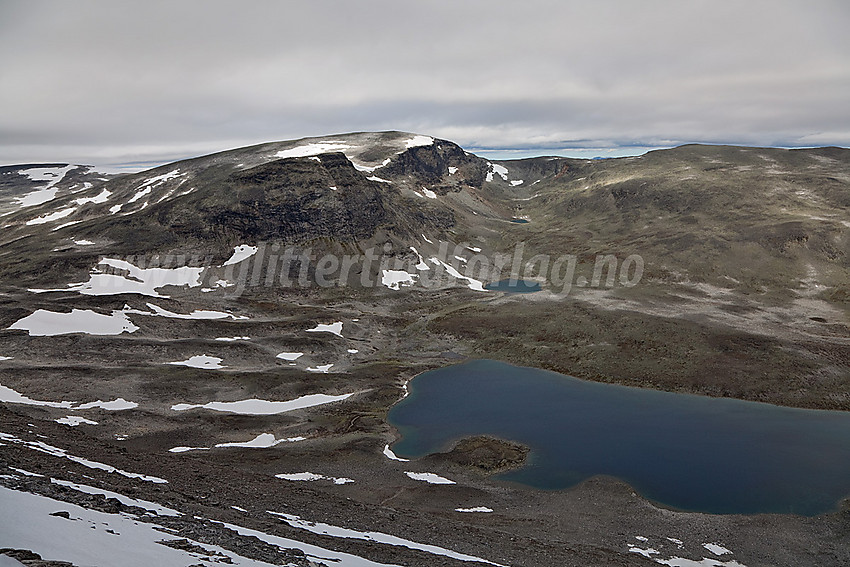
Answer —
(112, 82)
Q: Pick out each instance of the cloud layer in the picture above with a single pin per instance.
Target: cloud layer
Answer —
(113, 81)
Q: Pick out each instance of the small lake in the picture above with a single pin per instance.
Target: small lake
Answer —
(688, 452)
(513, 286)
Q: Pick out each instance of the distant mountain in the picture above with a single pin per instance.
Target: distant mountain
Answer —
(750, 218)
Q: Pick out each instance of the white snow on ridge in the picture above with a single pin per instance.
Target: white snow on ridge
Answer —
(452, 170)
(232, 339)
(52, 174)
(377, 537)
(335, 328)
(396, 279)
(62, 453)
(371, 168)
(517, 182)
(43, 323)
(201, 361)
(430, 478)
(241, 253)
(47, 193)
(313, 149)
(418, 140)
(2, 358)
(265, 407)
(323, 368)
(83, 242)
(428, 193)
(51, 217)
(140, 194)
(97, 199)
(483, 509)
(160, 179)
(378, 179)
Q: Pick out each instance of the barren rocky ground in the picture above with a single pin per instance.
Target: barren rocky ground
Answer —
(743, 293)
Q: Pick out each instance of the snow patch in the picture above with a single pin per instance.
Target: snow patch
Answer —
(418, 141)
(494, 168)
(144, 281)
(312, 149)
(62, 453)
(323, 368)
(483, 509)
(310, 477)
(74, 420)
(264, 407)
(43, 323)
(90, 537)
(430, 478)
(313, 552)
(118, 404)
(261, 441)
(51, 217)
(472, 283)
(157, 311)
(9, 395)
(396, 279)
(241, 253)
(716, 549)
(378, 179)
(376, 537)
(334, 328)
(47, 193)
(290, 356)
(101, 197)
(388, 453)
(126, 500)
(201, 361)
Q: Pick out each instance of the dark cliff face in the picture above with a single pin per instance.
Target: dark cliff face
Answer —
(430, 164)
(294, 200)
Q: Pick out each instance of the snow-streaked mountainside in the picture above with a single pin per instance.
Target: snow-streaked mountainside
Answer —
(197, 361)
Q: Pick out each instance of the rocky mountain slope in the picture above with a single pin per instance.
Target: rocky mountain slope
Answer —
(299, 285)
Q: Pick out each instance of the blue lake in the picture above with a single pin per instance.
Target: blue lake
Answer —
(684, 451)
(513, 286)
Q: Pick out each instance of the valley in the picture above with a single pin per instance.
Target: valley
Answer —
(239, 325)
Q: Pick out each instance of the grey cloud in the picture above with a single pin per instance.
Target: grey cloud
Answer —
(109, 80)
